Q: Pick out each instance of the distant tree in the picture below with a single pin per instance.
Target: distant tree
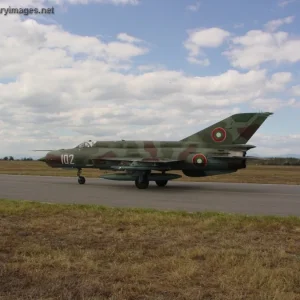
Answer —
(26, 159)
(276, 161)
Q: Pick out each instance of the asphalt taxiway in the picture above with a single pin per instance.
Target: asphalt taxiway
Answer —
(254, 199)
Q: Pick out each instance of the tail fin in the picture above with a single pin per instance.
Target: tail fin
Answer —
(236, 129)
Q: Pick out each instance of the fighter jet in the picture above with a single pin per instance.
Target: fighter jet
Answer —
(218, 149)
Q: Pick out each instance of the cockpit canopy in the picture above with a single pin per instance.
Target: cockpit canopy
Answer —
(86, 144)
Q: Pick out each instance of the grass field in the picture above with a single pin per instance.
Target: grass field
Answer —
(253, 173)
(84, 252)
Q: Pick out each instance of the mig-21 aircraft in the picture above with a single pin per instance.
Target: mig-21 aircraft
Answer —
(218, 149)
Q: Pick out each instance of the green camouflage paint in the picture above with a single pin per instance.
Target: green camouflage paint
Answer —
(238, 129)
(222, 148)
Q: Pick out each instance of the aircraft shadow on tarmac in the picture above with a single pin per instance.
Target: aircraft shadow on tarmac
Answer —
(177, 186)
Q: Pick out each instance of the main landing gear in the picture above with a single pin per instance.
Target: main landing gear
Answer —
(141, 179)
(81, 179)
(142, 182)
(161, 182)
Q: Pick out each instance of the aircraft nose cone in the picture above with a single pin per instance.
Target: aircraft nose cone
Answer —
(51, 157)
(46, 157)
(42, 158)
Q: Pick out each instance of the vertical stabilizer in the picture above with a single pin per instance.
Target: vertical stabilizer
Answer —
(236, 129)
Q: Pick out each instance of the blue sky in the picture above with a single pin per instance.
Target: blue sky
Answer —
(217, 54)
(164, 25)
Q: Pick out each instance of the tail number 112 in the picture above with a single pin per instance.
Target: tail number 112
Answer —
(67, 159)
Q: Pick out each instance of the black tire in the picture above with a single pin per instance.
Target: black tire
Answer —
(142, 185)
(161, 182)
(81, 180)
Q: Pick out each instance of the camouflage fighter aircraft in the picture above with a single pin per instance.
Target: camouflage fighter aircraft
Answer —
(218, 149)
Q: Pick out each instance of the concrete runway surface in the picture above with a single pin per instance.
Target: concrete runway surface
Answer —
(255, 199)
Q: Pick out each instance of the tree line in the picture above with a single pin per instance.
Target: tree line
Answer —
(18, 159)
(277, 161)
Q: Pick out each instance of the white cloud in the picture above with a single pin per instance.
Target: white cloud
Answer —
(149, 67)
(275, 24)
(124, 37)
(39, 3)
(283, 3)
(201, 62)
(269, 144)
(257, 47)
(296, 90)
(203, 38)
(48, 47)
(194, 7)
(271, 104)
(115, 2)
(71, 88)
(278, 81)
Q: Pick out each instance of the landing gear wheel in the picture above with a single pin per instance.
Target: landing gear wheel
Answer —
(142, 184)
(161, 182)
(81, 180)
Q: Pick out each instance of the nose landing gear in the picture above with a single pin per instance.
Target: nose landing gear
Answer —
(81, 179)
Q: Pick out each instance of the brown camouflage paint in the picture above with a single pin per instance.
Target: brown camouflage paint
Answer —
(150, 148)
(239, 129)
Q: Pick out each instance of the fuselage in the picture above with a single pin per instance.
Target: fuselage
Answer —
(192, 157)
(218, 149)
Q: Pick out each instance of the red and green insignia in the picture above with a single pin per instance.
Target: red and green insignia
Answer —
(199, 159)
(218, 134)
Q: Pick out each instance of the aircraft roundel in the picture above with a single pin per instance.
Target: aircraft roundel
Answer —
(199, 159)
(218, 134)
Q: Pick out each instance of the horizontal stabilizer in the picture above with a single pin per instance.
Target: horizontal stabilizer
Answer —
(236, 157)
(237, 147)
(43, 150)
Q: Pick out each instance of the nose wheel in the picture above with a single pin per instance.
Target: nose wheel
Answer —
(81, 179)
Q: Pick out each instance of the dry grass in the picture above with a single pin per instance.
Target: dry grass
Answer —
(253, 173)
(85, 252)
